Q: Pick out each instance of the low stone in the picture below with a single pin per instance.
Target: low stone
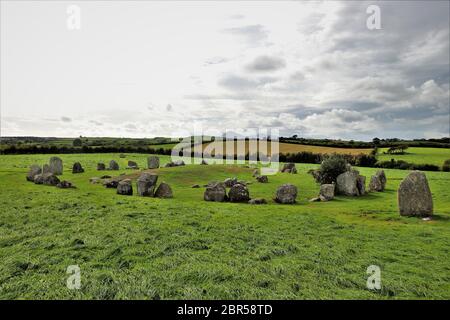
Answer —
(124, 187)
(215, 191)
(255, 173)
(229, 182)
(101, 166)
(153, 162)
(196, 186)
(94, 180)
(257, 201)
(146, 184)
(377, 181)
(111, 183)
(64, 185)
(286, 194)
(289, 167)
(132, 165)
(46, 168)
(239, 193)
(262, 179)
(327, 191)
(48, 179)
(164, 191)
(77, 168)
(106, 177)
(34, 170)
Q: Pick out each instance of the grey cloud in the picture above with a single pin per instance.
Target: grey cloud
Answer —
(234, 82)
(66, 119)
(169, 107)
(252, 34)
(266, 63)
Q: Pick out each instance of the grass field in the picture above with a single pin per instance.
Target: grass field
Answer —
(435, 156)
(221, 148)
(148, 248)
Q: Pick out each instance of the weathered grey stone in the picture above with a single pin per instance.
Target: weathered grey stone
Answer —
(175, 163)
(164, 191)
(77, 168)
(350, 183)
(46, 168)
(229, 182)
(361, 185)
(153, 162)
(262, 179)
(64, 185)
(146, 184)
(48, 179)
(94, 180)
(34, 170)
(286, 194)
(327, 191)
(239, 193)
(113, 165)
(132, 165)
(56, 165)
(101, 166)
(124, 187)
(378, 181)
(257, 201)
(289, 167)
(111, 183)
(414, 196)
(215, 191)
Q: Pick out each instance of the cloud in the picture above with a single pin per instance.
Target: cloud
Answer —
(266, 63)
(66, 119)
(253, 35)
(169, 107)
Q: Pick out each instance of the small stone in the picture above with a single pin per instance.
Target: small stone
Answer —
(101, 166)
(124, 187)
(262, 179)
(257, 201)
(164, 191)
(113, 165)
(77, 168)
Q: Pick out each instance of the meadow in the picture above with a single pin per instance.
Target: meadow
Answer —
(417, 155)
(130, 247)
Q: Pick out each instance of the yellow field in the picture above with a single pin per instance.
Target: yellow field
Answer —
(219, 147)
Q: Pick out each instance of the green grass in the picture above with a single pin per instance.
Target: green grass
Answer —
(147, 248)
(435, 156)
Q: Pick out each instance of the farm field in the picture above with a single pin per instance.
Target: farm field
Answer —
(283, 148)
(131, 247)
(435, 156)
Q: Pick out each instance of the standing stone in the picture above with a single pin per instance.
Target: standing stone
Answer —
(132, 165)
(77, 168)
(378, 181)
(46, 168)
(262, 179)
(286, 193)
(239, 193)
(124, 187)
(326, 192)
(146, 184)
(34, 170)
(289, 167)
(113, 165)
(101, 166)
(414, 196)
(350, 183)
(215, 191)
(56, 165)
(164, 191)
(229, 182)
(153, 162)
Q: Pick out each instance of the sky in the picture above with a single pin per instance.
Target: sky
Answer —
(149, 68)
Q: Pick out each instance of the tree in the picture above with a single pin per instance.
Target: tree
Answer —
(376, 141)
(77, 142)
(331, 167)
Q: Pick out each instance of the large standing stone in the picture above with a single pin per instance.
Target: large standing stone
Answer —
(229, 182)
(215, 191)
(153, 162)
(56, 165)
(286, 193)
(164, 191)
(414, 196)
(146, 184)
(77, 168)
(239, 193)
(124, 187)
(101, 166)
(326, 192)
(34, 170)
(48, 179)
(262, 179)
(113, 165)
(377, 181)
(46, 168)
(350, 183)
